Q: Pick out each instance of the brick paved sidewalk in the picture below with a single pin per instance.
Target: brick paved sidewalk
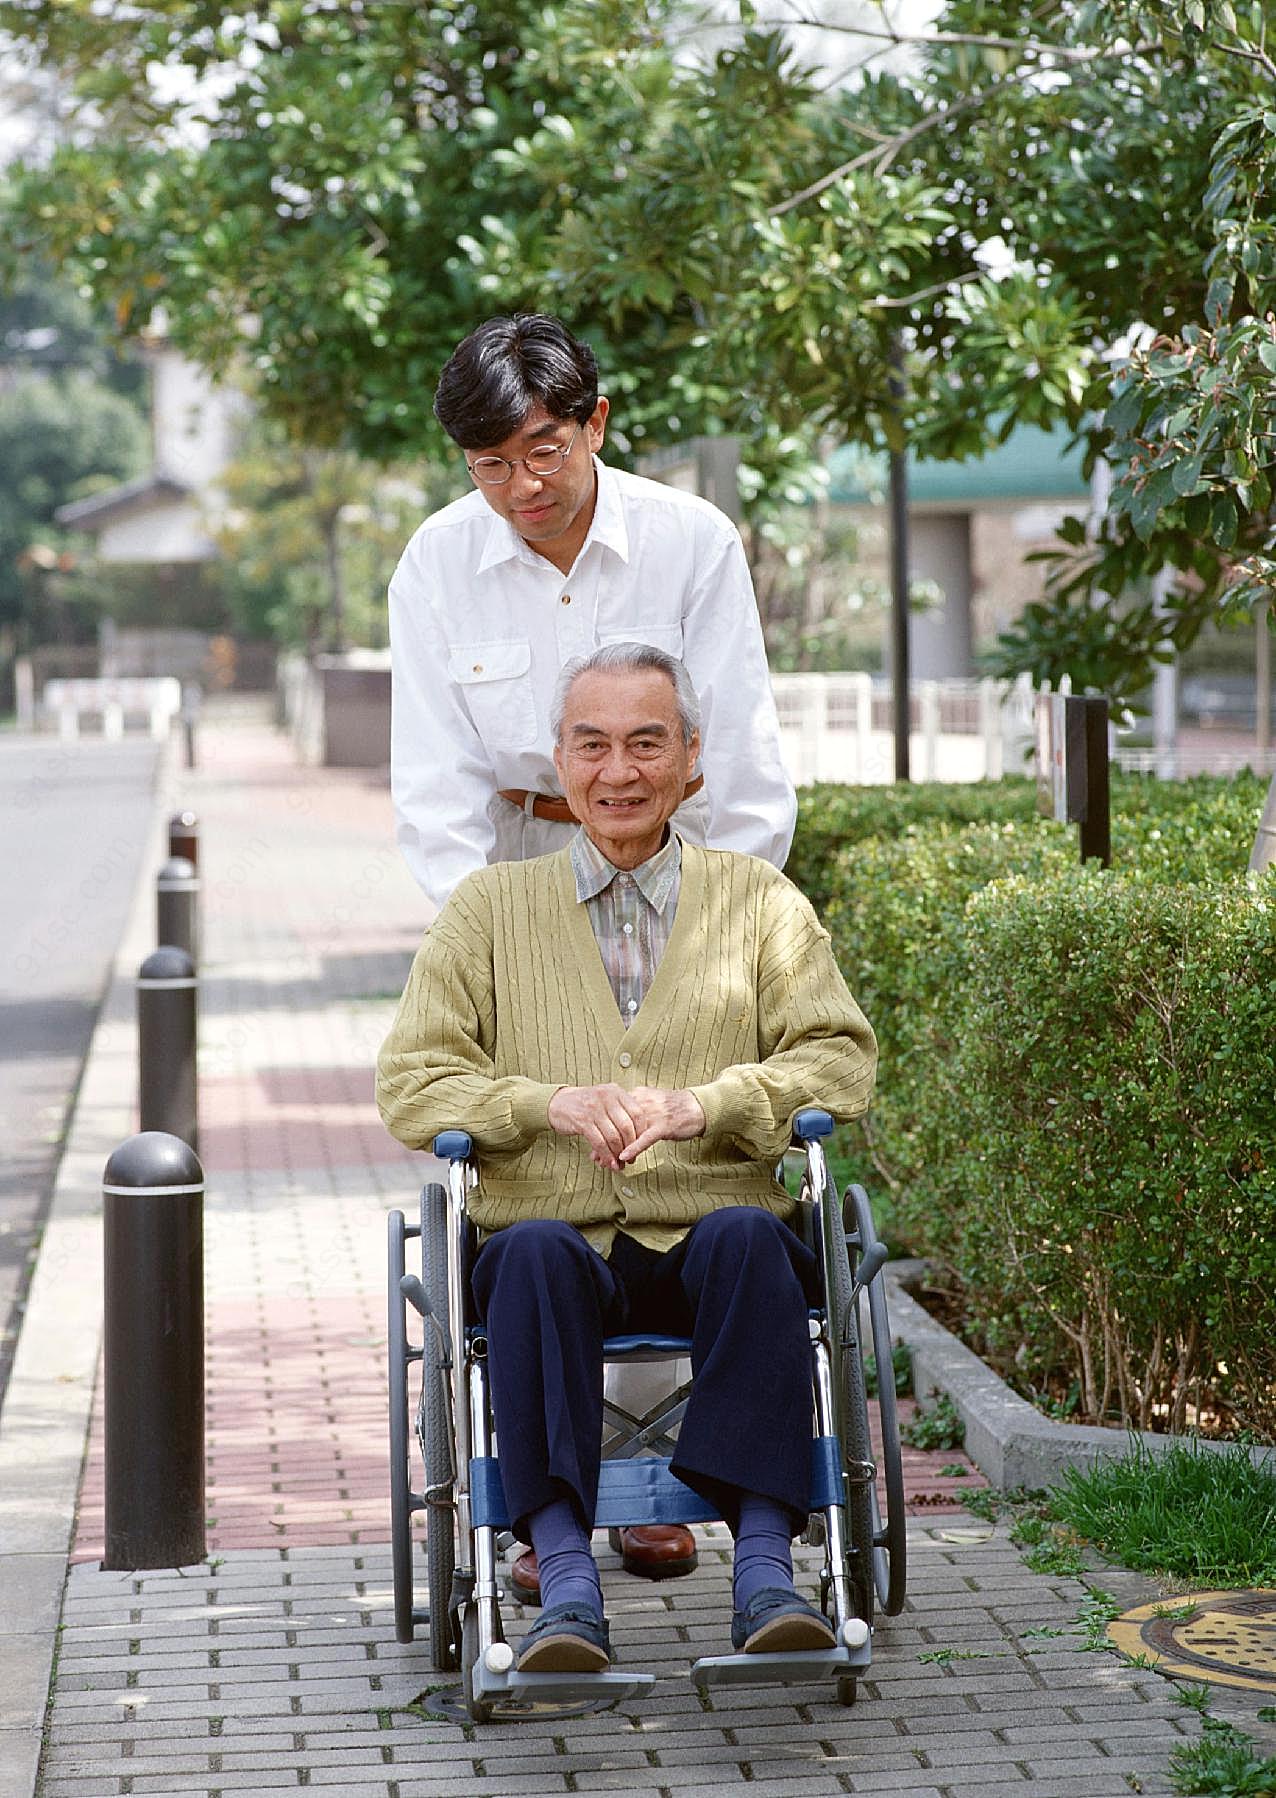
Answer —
(275, 1665)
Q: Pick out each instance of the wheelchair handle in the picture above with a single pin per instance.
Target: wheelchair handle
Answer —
(453, 1145)
(874, 1260)
(810, 1125)
(414, 1292)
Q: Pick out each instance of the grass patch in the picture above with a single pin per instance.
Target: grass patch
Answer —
(1196, 1514)
(1222, 1764)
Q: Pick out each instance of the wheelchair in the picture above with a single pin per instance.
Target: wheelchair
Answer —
(857, 1502)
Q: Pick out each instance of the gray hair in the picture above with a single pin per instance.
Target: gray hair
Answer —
(616, 658)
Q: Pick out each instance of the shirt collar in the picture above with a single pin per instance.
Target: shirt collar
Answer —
(607, 527)
(654, 878)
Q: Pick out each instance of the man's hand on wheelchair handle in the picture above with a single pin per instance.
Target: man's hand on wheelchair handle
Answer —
(620, 1122)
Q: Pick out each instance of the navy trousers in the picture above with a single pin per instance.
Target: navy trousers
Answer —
(739, 1285)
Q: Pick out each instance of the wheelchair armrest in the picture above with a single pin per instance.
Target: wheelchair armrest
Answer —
(453, 1145)
(811, 1125)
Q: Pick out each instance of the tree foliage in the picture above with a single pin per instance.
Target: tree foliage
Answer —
(60, 438)
(332, 193)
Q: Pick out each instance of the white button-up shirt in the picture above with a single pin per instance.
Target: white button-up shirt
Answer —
(480, 626)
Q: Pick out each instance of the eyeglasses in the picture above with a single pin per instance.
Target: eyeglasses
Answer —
(545, 459)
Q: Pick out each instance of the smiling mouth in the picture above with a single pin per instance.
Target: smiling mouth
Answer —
(622, 805)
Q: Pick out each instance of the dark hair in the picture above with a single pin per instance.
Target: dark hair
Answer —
(506, 367)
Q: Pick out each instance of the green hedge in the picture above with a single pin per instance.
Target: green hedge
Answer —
(1077, 1084)
(829, 817)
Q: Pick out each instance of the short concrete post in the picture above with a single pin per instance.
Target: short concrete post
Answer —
(166, 1002)
(177, 906)
(153, 1221)
(183, 837)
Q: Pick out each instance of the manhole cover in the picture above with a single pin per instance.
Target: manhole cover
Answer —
(1227, 1638)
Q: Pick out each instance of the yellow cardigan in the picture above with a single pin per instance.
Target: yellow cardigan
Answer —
(508, 1000)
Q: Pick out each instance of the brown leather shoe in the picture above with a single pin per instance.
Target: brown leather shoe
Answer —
(656, 1550)
(525, 1578)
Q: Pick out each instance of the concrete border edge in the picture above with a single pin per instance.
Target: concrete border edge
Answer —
(1009, 1440)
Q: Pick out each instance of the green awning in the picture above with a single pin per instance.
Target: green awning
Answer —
(1030, 465)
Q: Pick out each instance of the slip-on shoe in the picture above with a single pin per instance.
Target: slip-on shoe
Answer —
(567, 1638)
(777, 1621)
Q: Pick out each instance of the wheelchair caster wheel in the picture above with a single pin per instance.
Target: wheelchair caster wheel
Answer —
(846, 1691)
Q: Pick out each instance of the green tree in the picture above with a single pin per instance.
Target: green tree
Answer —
(60, 439)
(348, 187)
(310, 538)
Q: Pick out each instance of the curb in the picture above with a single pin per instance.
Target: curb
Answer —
(1007, 1438)
(45, 1421)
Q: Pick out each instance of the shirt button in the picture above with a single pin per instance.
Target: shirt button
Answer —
(625, 1059)
(477, 668)
(628, 929)
(566, 600)
(632, 1005)
(626, 1192)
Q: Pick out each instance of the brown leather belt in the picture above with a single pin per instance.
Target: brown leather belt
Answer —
(556, 809)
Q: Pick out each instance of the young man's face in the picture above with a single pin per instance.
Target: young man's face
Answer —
(549, 511)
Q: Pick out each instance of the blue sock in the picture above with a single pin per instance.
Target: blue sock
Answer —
(763, 1551)
(568, 1570)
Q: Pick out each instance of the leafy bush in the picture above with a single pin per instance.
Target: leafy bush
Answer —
(831, 816)
(1118, 1070)
(1075, 1105)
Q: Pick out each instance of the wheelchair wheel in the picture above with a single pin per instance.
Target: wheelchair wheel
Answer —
(434, 1429)
(851, 1398)
(400, 1355)
(889, 1534)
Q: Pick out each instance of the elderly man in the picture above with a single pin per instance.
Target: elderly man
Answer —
(626, 1028)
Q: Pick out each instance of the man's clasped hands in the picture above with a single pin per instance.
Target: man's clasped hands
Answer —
(619, 1122)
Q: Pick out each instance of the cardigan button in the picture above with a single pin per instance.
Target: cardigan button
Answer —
(625, 1059)
(626, 1192)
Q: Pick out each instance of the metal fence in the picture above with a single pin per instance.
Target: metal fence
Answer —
(838, 727)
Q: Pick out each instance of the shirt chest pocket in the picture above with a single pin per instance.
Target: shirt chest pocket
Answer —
(495, 683)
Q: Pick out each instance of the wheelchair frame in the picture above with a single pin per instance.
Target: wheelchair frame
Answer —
(865, 1552)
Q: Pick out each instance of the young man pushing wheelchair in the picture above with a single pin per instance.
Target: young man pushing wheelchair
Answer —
(626, 1029)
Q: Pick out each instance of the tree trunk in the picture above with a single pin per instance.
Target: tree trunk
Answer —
(336, 632)
(1263, 854)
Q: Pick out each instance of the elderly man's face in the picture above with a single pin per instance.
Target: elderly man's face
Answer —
(622, 760)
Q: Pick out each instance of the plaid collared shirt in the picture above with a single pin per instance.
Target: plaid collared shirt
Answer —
(631, 912)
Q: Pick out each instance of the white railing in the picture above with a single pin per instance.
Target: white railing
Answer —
(115, 702)
(839, 727)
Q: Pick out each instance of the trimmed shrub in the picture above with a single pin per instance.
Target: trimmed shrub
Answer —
(1076, 1111)
(1119, 1079)
(830, 816)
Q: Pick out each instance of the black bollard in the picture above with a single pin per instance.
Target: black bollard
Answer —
(177, 906)
(183, 837)
(166, 996)
(153, 1225)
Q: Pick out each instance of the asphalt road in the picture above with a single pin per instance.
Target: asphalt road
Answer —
(73, 823)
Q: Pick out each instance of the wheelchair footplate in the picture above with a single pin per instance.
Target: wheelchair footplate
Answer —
(563, 1694)
(809, 1666)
